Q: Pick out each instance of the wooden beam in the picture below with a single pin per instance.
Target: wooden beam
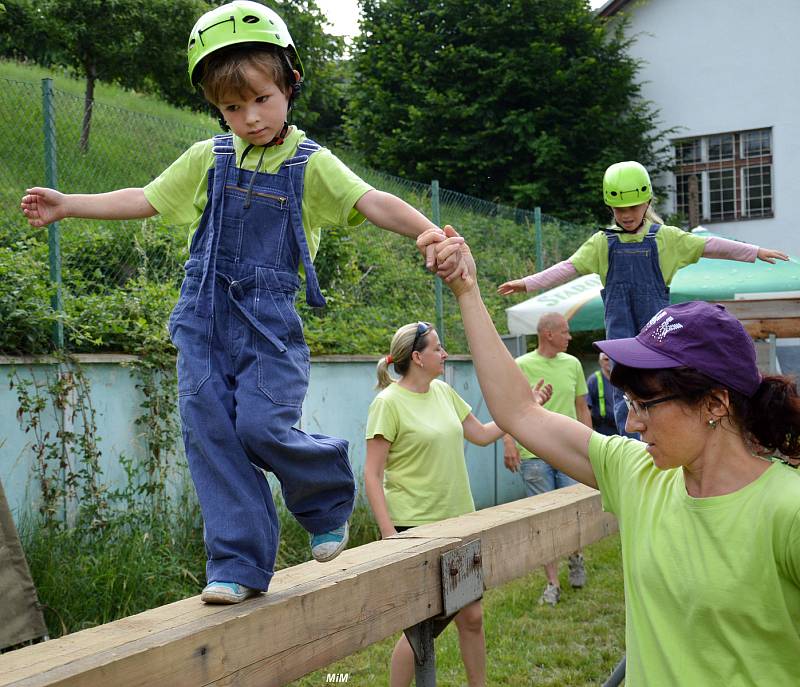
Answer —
(314, 613)
(762, 317)
(764, 309)
(784, 328)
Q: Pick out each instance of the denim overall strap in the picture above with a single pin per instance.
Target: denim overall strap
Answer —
(236, 291)
(223, 154)
(296, 167)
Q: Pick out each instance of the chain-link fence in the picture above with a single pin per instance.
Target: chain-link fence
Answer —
(120, 279)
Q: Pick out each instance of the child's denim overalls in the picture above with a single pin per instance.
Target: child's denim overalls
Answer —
(243, 368)
(634, 292)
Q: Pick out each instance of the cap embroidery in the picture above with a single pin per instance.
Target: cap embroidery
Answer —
(665, 328)
(655, 318)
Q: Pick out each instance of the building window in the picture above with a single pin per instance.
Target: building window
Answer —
(722, 194)
(724, 177)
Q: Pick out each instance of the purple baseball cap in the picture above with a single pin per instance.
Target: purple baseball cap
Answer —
(700, 335)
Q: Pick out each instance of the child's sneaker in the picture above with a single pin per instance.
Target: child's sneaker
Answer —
(226, 593)
(327, 546)
(551, 595)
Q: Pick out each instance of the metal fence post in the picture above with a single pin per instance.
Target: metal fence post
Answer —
(537, 219)
(54, 236)
(437, 219)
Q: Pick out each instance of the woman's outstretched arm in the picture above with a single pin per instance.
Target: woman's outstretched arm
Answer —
(563, 442)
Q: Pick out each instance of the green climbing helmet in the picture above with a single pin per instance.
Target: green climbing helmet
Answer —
(626, 184)
(241, 21)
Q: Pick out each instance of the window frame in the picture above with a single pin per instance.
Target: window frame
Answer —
(737, 164)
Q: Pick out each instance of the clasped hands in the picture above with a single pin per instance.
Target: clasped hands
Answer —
(448, 255)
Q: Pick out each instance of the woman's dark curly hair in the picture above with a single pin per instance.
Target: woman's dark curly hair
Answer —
(771, 416)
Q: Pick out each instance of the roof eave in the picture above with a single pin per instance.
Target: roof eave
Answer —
(611, 8)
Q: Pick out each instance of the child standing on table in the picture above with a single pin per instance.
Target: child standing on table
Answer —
(255, 200)
(636, 259)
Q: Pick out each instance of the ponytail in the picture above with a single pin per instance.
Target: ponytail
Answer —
(384, 378)
(772, 415)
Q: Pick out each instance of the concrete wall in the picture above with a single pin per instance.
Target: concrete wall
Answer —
(340, 392)
(713, 66)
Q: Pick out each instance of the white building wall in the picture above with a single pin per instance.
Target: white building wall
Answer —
(713, 66)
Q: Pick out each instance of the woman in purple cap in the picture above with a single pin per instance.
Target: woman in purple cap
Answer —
(709, 517)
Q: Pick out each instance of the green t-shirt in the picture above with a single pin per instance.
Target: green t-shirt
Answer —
(330, 189)
(712, 585)
(565, 373)
(676, 249)
(425, 479)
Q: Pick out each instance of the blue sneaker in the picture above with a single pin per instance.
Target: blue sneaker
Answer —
(227, 593)
(326, 546)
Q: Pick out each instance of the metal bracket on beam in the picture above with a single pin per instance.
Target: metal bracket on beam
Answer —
(462, 583)
(462, 577)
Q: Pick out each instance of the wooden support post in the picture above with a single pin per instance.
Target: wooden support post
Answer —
(314, 613)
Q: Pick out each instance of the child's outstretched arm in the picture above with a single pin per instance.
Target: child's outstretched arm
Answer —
(725, 249)
(390, 212)
(43, 206)
(560, 273)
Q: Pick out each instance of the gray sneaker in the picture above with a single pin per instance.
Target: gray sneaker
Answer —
(577, 573)
(550, 595)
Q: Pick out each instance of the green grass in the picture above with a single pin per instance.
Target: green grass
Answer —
(105, 94)
(577, 643)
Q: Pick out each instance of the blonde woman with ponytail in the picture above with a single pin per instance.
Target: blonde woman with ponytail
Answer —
(415, 472)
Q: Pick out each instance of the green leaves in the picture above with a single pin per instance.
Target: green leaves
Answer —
(525, 102)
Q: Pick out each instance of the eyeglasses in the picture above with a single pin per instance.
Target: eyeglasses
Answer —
(422, 329)
(642, 408)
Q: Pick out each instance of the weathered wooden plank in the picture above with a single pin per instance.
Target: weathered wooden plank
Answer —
(314, 613)
(763, 309)
(782, 328)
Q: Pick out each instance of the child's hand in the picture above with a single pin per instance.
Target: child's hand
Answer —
(463, 277)
(770, 256)
(451, 262)
(443, 252)
(43, 206)
(513, 286)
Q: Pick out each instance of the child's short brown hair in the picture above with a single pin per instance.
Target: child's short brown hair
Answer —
(224, 70)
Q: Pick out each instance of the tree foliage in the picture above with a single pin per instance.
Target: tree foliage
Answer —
(141, 45)
(321, 106)
(524, 101)
(133, 43)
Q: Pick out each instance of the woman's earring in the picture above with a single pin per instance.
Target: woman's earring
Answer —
(712, 424)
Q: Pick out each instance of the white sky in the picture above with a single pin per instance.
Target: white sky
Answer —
(343, 15)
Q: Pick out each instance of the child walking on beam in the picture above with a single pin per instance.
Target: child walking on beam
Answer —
(255, 199)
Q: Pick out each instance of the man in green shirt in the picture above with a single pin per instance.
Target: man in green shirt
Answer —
(564, 373)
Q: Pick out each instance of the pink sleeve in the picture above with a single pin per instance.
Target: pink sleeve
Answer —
(725, 249)
(552, 276)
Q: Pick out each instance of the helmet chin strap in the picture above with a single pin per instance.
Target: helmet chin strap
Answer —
(277, 140)
(621, 230)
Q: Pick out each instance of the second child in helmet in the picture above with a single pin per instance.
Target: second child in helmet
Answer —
(636, 259)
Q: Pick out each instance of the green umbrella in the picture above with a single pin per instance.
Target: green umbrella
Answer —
(707, 280)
